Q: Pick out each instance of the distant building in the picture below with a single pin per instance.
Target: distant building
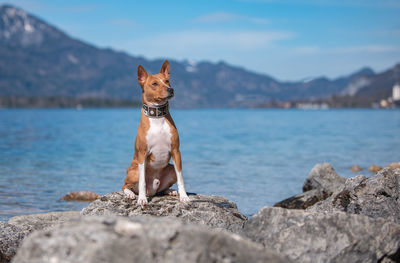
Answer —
(396, 92)
(312, 106)
(384, 104)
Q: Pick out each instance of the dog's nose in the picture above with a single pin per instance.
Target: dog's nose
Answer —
(170, 91)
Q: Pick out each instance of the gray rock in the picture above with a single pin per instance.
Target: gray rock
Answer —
(324, 178)
(325, 237)
(377, 196)
(213, 211)
(10, 239)
(303, 200)
(139, 239)
(319, 185)
(18, 227)
(42, 221)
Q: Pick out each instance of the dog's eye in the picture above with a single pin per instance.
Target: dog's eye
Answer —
(154, 84)
(167, 81)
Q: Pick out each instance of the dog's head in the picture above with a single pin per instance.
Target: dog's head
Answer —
(156, 88)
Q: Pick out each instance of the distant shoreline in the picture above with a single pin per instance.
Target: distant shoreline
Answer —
(58, 102)
(65, 102)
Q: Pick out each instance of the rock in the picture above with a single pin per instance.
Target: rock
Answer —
(10, 239)
(377, 196)
(319, 185)
(325, 237)
(213, 211)
(394, 165)
(374, 168)
(303, 200)
(18, 227)
(356, 168)
(139, 239)
(42, 221)
(323, 177)
(82, 196)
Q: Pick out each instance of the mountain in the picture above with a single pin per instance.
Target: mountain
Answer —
(380, 85)
(372, 89)
(39, 60)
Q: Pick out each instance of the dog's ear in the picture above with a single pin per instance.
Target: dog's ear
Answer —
(141, 75)
(165, 69)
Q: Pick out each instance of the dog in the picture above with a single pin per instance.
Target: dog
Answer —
(156, 142)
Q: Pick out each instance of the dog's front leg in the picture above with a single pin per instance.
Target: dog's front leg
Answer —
(176, 159)
(142, 199)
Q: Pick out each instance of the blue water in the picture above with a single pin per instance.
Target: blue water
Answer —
(253, 157)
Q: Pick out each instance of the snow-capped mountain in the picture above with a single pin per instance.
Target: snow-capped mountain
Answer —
(39, 60)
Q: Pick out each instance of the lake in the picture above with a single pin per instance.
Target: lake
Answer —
(254, 157)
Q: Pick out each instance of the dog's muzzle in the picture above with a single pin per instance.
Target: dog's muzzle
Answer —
(171, 92)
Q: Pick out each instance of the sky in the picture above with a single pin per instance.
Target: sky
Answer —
(287, 39)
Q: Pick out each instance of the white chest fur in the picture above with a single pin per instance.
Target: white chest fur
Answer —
(159, 142)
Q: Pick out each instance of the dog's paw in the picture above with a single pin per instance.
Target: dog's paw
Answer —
(142, 201)
(129, 194)
(171, 192)
(184, 198)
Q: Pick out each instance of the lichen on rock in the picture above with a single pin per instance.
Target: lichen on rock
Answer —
(213, 211)
(140, 239)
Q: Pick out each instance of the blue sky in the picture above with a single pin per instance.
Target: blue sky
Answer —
(287, 39)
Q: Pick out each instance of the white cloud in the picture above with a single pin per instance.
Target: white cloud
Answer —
(216, 17)
(301, 50)
(368, 48)
(306, 50)
(221, 17)
(233, 40)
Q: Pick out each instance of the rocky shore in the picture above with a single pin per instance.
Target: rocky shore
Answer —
(334, 220)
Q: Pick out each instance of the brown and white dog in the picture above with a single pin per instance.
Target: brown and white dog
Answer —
(156, 141)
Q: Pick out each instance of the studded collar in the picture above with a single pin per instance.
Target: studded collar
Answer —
(156, 112)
